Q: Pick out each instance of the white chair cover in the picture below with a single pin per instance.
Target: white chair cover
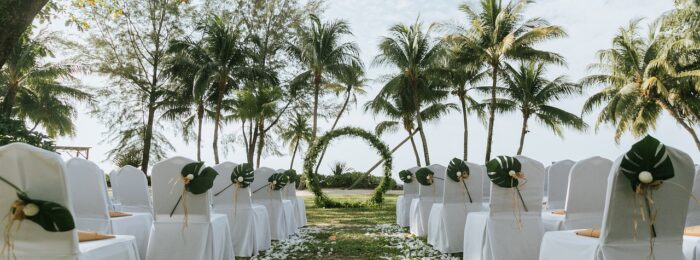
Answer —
(486, 187)
(131, 186)
(42, 175)
(204, 236)
(290, 193)
(558, 180)
(403, 202)
(427, 195)
(447, 219)
(693, 218)
(617, 237)
(281, 213)
(88, 189)
(243, 221)
(497, 234)
(113, 200)
(546, 181)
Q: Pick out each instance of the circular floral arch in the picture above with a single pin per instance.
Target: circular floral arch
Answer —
(321, 199)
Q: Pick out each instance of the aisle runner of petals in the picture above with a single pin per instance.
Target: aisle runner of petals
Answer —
(394, 236)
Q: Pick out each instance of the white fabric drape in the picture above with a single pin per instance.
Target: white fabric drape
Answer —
(87, 186)
(280, 212)
(131, 186)
(618, 238)
(290, 193)
(693, 218)
(204, 236)
(42, 175)
(246, 226)
(427, 195)
(447, 219)
(486, 187)
(498, 234)
(585, 199)
(403, 202)
(558, 180)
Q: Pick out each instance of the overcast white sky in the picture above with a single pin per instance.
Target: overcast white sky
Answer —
(590, 24)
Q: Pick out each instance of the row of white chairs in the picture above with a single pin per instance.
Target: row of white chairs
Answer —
(587, 194)
(214, 227)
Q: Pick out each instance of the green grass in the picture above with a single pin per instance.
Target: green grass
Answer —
(383, 214)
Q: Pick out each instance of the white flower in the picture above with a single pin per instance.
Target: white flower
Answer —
(190, 176)
(459, 174)
(30, 209)
(274, 182)
(511, 173)
(408, 177)
(645, 177)
(240, 179)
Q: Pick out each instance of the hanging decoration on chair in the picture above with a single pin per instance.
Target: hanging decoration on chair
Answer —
(406, 176)
(197, 179)
(506, 172)
(51, 216)
(241, 176)
(426, 176)
(458, 171)
(647, 165)
(292, 176)
(277, 181)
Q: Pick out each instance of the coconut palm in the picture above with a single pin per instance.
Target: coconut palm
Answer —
(639, 83)
(318, 47)
(40, 91)
(528, 91)
(410, 50)
(351, 82)
(498, 33)
(295, 133)
(401, 114)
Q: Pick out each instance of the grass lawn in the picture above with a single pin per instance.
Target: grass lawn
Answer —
(352, 233)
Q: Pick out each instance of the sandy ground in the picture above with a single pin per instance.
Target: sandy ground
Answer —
(305, 193)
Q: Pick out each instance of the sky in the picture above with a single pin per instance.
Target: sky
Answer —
(590, 26)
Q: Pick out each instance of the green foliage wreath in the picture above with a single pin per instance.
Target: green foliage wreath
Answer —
(321, 199)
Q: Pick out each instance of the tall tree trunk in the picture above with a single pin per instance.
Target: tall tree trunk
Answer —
(667, 106)
(492, 111)
(148, 135)
(294, 154)
(523, 132)
(253, 141)
(217, 121)
(317, 92)
(357, 182)
(15, 17)
(419, 119)
(261, 142)
(415, 149)
(335, 123)
(200, 117)
(462, 96)
(9, 100)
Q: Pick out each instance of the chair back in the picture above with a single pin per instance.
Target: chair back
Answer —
(167, 185)
(132, 186)
(558, 180)
(232, 196)
(503, 199)
(411, 189)
(260, 187)
(693, 218)
(88, 192)
(585, 200)
(434, 191)
(455, 192)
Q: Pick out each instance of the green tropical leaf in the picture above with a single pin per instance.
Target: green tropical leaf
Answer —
(499, 169)
(203, 179)
(243, 174)
(425, 176)
(406, 176)
(51, 216)
(278, 180)
(647, 155)
(292, 175)
(457, 169)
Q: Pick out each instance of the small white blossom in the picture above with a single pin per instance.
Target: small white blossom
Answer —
(30, 210)
(646, 177)
(240, 179)
(190, 176)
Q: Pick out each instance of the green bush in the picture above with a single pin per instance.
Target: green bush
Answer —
(346, 179)
(13, 130)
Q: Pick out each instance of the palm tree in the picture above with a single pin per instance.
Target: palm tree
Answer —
(639, 82)
(297, 132)
(527, 90)
(414, 55)
(339, 168)
(498, 33)
(401, 113)
(38, 91)
(352, 83)
(319, 49)
(221, 66)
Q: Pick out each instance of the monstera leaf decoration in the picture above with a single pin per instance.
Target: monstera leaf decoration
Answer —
(49, 215)
(647, 162)
(406, 176)
(278, 181)
(292, 175)
(425, 176)
(199, 179)
(457, 170)
(503, 171)
(242, 175)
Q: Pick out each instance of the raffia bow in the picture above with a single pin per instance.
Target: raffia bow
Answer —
(462, 178)
(15, 215)
(515, 195)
